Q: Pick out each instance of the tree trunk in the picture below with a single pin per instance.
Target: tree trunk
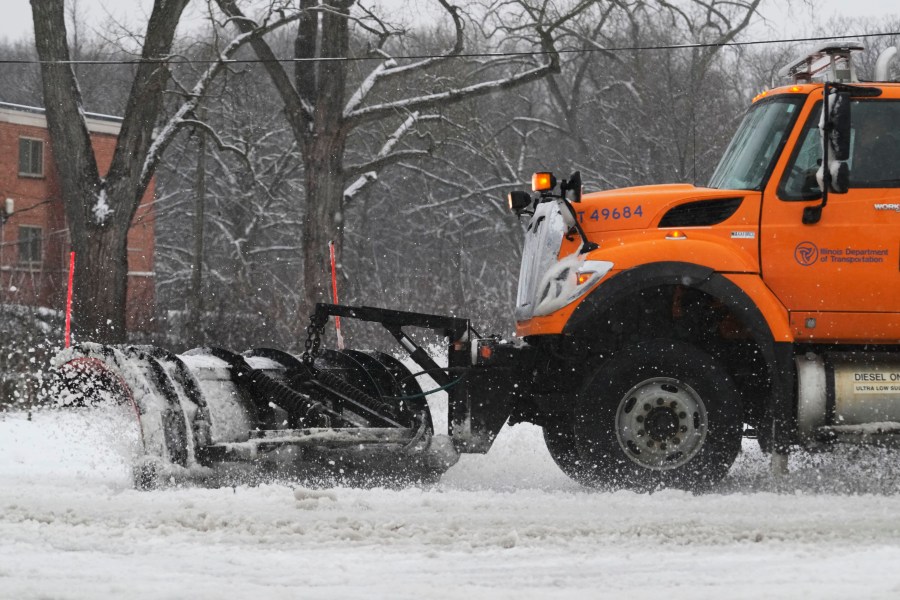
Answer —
(195, 320)
(323, 221)
(99, 210)
(323, 158)
(101, 276)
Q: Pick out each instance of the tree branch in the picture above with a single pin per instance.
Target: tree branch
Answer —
(453, 96)
(165, 136)
(297, 108)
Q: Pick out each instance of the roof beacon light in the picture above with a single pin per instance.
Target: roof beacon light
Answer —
(830, 62)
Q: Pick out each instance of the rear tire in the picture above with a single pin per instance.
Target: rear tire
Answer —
(661, 413)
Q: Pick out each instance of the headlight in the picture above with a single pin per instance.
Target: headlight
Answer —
(568, 280)
(518, 201)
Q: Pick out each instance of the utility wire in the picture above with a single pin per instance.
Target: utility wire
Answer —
(181, 59)
(32, 207)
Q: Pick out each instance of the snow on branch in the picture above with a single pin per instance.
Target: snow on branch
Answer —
(392, 140)
(390, 68)
(269, 249)
(385, 155)
(375, 112)
(294, 99)
(357, 186)
(367, 172)
(167, 133)
(366, 86)
(381, 162)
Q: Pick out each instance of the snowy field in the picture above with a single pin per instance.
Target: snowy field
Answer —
(505, 525)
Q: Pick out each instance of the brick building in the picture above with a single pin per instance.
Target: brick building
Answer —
(34, 241)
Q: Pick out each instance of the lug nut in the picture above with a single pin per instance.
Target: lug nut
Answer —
(675, 441)
(683, 429)
(640, 433)
(647, 406)
(673, 405)
(659, 401)
(682, 415)
(640, 419)
(649, 443)
(662, 446)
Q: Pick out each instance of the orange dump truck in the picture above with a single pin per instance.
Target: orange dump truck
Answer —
(656, 325)
(770, 297)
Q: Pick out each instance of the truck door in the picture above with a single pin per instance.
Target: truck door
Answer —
(839, 278)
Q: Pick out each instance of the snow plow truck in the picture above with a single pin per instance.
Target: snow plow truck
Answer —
(656, 325)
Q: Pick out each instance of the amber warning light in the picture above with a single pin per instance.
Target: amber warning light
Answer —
(543, 182)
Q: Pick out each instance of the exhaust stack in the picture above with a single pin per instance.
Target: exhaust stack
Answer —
(883, 64)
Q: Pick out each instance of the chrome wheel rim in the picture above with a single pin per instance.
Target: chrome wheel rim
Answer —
(661, 423)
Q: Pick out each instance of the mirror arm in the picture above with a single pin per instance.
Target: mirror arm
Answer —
(586, 244)
(813, 214)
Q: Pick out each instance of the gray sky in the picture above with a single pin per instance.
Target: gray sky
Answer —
(15, 23)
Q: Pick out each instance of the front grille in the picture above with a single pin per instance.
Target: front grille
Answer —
(543, 239)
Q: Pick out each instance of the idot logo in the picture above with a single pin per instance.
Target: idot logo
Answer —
(806, 253)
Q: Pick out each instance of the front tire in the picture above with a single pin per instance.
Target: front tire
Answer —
(559, 436)
(661, 413)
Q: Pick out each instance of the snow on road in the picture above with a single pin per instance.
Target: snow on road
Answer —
(504, 525)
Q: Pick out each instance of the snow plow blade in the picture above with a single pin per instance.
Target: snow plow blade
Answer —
(214, 416)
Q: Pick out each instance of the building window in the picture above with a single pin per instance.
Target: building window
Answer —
(30, 246)
(31, 157)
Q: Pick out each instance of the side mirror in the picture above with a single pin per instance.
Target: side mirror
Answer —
(834, 174)
(840, 126)
(518, 201)
(573, 184)
(840, 142)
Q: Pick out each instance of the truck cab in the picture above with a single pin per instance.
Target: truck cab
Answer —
(664, 318)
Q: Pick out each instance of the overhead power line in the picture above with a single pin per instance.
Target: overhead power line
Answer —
(510, 54)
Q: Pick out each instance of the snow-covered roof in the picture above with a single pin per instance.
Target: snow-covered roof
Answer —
(35, 117)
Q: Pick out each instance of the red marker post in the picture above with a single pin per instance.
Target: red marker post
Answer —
(69, 299)
(334, 296)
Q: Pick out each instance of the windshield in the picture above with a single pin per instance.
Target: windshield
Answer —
(754, 148)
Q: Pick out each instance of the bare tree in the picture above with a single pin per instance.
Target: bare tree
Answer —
(634, 115)
(250, 253)
(100, 208)
(324, 110)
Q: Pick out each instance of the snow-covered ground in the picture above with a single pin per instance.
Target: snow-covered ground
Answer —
(504, 525)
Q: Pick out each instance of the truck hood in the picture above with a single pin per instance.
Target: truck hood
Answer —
(650, 206)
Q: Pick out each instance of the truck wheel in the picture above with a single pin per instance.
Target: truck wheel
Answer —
(662, 413)
(559, 436)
